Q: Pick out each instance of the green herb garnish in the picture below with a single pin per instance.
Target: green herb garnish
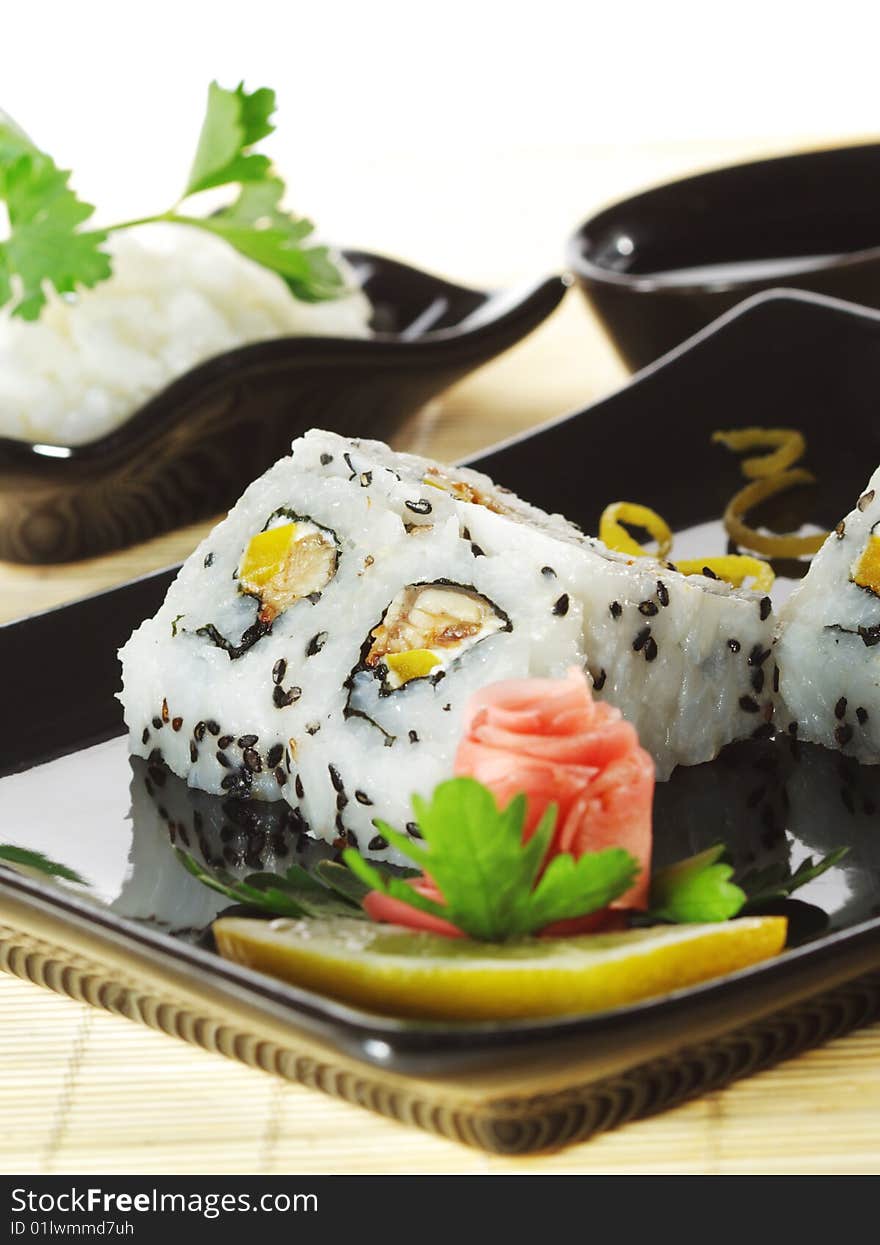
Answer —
(491, 881)
(23, 858)
(295, 893)
(699, 888)
(47, 246)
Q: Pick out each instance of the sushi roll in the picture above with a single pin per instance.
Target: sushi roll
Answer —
(828, 635)
(684, 658)
(322, 643)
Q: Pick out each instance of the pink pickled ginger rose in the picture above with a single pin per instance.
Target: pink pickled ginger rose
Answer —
(551, 740)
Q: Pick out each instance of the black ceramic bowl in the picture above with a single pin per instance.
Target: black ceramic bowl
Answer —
(659, 266)
(189, 452)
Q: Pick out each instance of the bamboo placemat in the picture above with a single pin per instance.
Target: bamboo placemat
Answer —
(85, 1092)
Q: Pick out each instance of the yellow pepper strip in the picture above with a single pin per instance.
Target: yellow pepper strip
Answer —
(415, 663)
(790, 447)
(613, 534)
(773, 546)
(732, 567)
(265, 554)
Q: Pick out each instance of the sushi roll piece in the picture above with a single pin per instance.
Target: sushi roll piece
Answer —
(828, 640)
(321, 644)
(684, 658)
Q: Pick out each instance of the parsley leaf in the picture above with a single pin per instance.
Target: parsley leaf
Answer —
(777, 882)
(234, 122)
(490, 879)
(294, 893)
(23, 858)
(697, 889)
(45, 243)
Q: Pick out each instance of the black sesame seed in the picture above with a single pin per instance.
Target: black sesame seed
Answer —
(230, 781)
(213, 727)
(748, 704)
(299, 788)
(413, 830)
(764, 607)
(641, 639)
(157, 724)
(775, 678)
(199, 731)
(224, 760)
(342, 801)
(326, 460)
(435, 678)
(279, 670)
(708, 572)
(650, 648)
(247, 741)
(224, 741)
(560, 607)
(414, 737)
(366, 479)
(662, 593)
(840, 529)
(422, 506)
(312, 728)
(316, 643)
(335, 778)
(757, 680)
(477, 551)
(252, 760)
(862, 715)
(274, 755)
(193, 752)
(209, 560)
(362, 797)
(758, 655)
(446, 708)
(843, 734)
(616, 609)
(377, 843)
(176, 724)
(282, 699)
(734, 646)
(599, 681)
(548, 572)
(840, 709)
(313, 598)
(146, 735)
(648, 608)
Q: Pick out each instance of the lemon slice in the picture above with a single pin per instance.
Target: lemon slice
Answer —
(404, 973)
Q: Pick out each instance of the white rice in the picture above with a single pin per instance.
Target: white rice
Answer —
(177, 296)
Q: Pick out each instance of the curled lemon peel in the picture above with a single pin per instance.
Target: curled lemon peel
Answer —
(788, 442)
(773, 545)
(613, 534)
(735, 568)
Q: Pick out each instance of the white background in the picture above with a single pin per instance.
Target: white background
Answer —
(469, 137)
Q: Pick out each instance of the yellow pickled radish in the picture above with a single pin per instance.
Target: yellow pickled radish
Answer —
(415, 663)
(734, 568)
(613, 534)
(867, 569)
(265, 555)
(401, 972)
